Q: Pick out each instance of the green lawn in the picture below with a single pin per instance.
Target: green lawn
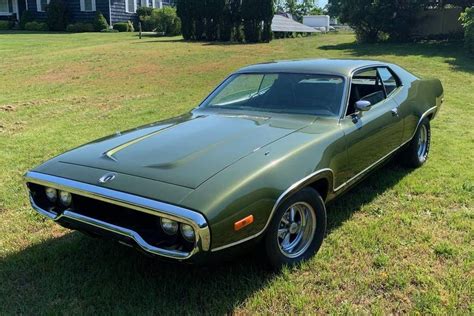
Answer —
(401, 242)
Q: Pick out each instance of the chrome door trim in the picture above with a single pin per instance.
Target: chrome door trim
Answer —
(313, 176)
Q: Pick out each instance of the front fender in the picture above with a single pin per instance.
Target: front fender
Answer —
(256, 185)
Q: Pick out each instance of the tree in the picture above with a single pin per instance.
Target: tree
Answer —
(57, 15)
(371, 20)
(182, 10)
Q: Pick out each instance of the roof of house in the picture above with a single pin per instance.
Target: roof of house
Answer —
(283, 24)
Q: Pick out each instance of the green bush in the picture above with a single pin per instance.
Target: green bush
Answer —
(36, 26)
(26, 16)
(143, 12)
(124, 26)
(57, 15)
(80, 27)
(163, 20)
(100, 23)
(5, 25)
(467, 20)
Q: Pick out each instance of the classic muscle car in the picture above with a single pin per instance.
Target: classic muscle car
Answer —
(253, 165)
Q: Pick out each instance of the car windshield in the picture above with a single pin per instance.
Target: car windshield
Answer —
(280, 92)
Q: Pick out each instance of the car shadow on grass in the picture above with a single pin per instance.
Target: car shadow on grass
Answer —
(78, 274)
(454, 52)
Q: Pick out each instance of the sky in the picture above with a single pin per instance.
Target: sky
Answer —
(322, 3)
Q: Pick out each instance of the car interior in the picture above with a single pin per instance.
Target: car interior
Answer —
(370, 86)
(305, 95)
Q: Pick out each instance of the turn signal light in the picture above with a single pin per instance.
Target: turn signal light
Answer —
(243, 222)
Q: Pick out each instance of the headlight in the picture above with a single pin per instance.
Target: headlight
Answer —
(169, 226)
(51, 194)
(188, 232)
(65, 198)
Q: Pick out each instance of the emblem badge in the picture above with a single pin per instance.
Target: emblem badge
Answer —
(107, 177)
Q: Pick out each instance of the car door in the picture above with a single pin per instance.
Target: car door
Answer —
(371, 135)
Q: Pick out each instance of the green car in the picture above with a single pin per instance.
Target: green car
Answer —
(253, 165)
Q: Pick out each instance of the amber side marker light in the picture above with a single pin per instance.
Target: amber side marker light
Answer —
(243, 222)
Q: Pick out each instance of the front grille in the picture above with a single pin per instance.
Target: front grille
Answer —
(145, 224)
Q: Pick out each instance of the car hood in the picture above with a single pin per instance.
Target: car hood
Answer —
(185, 151)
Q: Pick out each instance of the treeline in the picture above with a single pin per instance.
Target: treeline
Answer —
(226, 20)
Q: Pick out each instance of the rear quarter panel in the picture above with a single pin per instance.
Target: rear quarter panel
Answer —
(416, 98)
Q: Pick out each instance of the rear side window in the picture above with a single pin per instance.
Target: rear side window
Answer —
(389, 81)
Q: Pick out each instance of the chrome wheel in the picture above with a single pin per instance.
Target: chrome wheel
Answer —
(296, 229)
(422, 143)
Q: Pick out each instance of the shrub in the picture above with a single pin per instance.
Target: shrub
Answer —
(163, 20)
(100, 23)
(36, 26)
(124, 26)
(467, 20)
(80, 27)
(5, 25)
(143, 12)
(26, 16)
(57, 15)
(109, 31)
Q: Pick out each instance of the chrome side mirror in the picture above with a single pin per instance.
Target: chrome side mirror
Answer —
(363, 105)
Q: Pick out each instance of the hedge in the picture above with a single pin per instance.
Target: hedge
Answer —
(5, 25)
(36, 26)
(80, 27)
(124, 26)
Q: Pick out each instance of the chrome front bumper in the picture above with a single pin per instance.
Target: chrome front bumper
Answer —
(140, 204)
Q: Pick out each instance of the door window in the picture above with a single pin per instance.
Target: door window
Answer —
(388, 79)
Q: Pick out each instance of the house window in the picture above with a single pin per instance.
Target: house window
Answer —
(130, 6)
(144, 3)
(41, 5)
(5, 7)
(157, 4)
(88, 5)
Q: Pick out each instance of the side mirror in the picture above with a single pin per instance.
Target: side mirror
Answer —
(363, 105)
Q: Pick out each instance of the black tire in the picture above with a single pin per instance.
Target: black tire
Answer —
(303, 198)
(411, 156)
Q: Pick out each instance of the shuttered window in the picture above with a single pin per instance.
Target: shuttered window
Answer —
(5, 6)
(130, 6)
(88, 5)
(41, 5)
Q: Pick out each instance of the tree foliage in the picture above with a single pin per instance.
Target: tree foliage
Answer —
(467, 20)
(57, 15)
(224, 20)
(373, 20)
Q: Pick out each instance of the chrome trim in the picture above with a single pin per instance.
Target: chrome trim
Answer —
(141, 204)
(306, 180)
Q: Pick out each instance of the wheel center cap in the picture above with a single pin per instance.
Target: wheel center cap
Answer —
(293, 228)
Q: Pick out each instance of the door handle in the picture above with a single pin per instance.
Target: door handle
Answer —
(394, 111)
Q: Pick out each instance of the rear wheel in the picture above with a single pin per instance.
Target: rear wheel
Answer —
(418, 149)
(297, 229)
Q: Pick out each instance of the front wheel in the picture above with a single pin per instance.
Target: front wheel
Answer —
(297, 229)
(417, 150)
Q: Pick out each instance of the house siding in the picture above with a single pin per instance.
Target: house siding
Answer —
(117, 10)
(117, 7)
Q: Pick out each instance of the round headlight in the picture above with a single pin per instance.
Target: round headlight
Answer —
(65, 198)
(188, 232)
(51, 194)
(169, 226)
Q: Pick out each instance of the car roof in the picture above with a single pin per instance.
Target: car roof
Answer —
(341, 67)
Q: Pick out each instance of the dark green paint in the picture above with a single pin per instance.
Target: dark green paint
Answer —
(229, 164)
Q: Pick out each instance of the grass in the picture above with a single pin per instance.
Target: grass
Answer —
(401, 242)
